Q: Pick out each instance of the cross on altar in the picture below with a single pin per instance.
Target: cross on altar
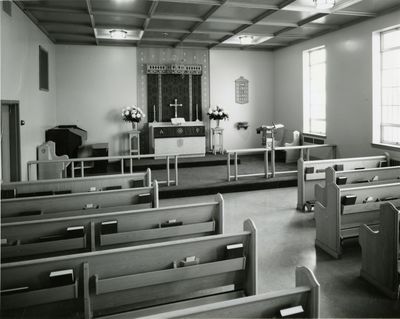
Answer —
(176, 107)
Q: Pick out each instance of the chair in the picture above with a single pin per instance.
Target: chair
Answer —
(47, 151)
(287, 138)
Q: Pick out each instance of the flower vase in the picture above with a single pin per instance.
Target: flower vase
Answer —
(134, 126)
(217, 123)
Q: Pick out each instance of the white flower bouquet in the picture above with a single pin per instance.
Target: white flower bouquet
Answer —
(217, 113)
(132, 114)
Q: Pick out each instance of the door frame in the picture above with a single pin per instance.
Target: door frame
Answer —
(15, 139)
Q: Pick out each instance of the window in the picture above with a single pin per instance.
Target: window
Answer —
(387, 87)
(43, 69)
(314, 91)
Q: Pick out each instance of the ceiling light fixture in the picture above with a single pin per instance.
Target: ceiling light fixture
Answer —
(118, 34)
(324, 4)
(246, 39)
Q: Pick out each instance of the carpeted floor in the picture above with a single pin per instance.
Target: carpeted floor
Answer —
(286, 239)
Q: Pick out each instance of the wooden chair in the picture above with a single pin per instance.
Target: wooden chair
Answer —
(76, 185)
(140, 280)
(47, 151)
(49, 237)
(380, 252)
(337, 221)
(28, 208)
(311, 173)
(266, 305)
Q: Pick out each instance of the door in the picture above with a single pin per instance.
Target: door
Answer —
(10, 142)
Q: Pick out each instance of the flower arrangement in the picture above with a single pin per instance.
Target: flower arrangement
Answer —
(132, 114)
(217, 113)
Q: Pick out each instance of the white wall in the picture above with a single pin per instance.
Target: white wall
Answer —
(349, 85)
(225, 67)
(20, 40)
(94, 84)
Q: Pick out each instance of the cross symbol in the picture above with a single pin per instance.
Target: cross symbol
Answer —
(176, 107)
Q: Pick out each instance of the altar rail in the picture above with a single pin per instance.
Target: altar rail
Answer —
(83, 160)
(304, 150)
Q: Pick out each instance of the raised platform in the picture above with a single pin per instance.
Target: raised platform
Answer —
(208, 175)
(226, 187)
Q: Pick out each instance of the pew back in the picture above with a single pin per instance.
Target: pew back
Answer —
(310, 173)
(337, 221)
(363, 177)
(380, 252)
(266, 305)
(24, 207)
(36, 238)
(140, 276)
(78, 185)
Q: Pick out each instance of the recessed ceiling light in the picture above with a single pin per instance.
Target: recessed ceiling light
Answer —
(246, 39)
(324, 4)
(118, 34)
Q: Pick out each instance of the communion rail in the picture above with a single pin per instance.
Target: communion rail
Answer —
(81, 164)
(304, 151)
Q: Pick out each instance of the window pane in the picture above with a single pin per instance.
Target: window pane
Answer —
(391, 134)
(391, 59)
(391, 77)
(318, 126)
(317, 56)
(391, 39)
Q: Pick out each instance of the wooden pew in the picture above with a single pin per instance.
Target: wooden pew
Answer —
(140, 280)
(380, 252)
(310, 173)
(78, 203)
(75, 185)
(357, 178)
(266, 305)
(48, 237)
(336, 222)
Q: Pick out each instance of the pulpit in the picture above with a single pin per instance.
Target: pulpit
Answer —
(185, 138)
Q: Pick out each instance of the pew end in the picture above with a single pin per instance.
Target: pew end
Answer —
(380, 252)
(305, 277)
(327, 231)
(221, 206)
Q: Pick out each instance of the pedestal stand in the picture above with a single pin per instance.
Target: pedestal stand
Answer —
(217, 140)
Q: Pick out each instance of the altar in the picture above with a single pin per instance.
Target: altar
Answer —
(186, 138)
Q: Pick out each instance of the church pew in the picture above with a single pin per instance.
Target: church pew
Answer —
(48, 237)
(31, 207)
(357, 178)
(337, 221)
(380, 252)
(266, 305)
(75, 185)
(310, 173)
(145, 279)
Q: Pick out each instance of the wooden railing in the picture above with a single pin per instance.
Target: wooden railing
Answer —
(304, 151)
(122, 158)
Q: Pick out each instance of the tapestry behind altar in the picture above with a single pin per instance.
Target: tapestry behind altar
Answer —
(177, 85)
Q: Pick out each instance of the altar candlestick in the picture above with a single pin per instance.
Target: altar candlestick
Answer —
(154, 113)
(197, 113)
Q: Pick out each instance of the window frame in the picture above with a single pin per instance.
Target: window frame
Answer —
(377, 108)
(307, 118)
